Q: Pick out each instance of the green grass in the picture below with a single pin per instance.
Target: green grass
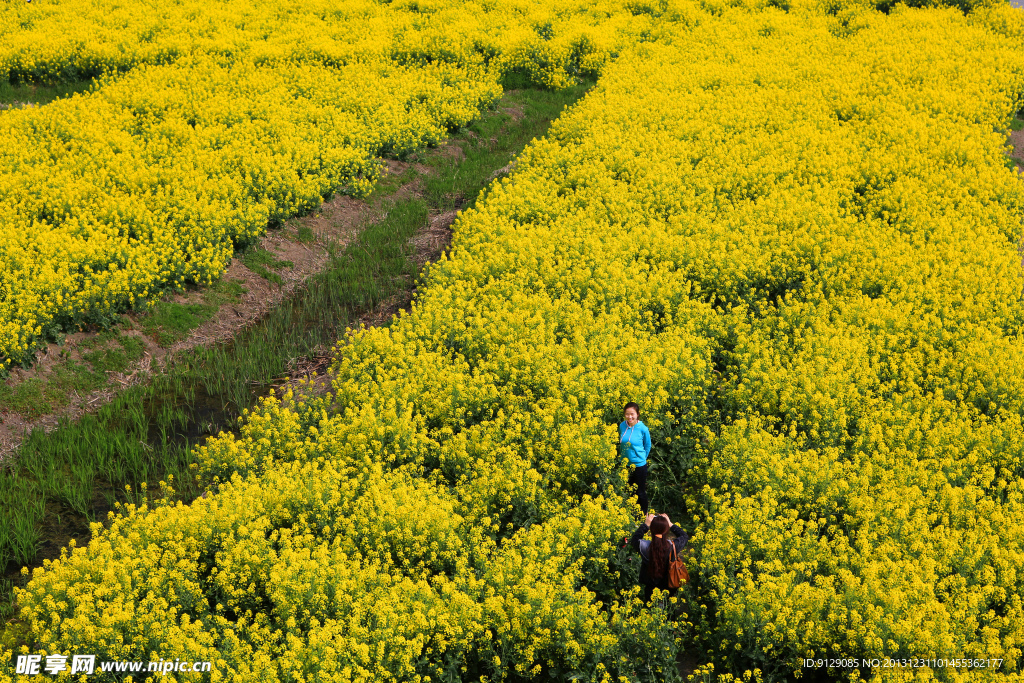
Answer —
(516, 79)
(75, 377)
(169, 322)
(491, 143)
(7, 608)
(39, 94)
(305, 234)
(107, 360)
(116, 359)
(66, 478)
(390, 183)
(224, 292)
(30, 398)
(1017, 124)
(100, 339)
(38, 396)
(262, 262)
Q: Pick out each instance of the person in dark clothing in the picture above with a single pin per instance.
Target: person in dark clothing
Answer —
(656, 554)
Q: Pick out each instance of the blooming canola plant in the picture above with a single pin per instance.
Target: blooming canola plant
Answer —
(790, 229)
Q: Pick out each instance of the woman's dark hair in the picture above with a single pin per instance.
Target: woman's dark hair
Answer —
(633, 406)
(660, 547)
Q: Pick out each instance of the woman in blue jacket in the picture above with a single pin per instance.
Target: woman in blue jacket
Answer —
(635, 446)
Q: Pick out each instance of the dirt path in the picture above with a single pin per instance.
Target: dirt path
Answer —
(337, 222)
(1017, 142)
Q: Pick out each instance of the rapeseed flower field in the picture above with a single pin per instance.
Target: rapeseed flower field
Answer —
(787, 228)
(208, 121)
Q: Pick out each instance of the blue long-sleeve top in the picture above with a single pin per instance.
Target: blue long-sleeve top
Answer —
(638, 438)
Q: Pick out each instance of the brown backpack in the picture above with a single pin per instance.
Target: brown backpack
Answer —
(678, 574)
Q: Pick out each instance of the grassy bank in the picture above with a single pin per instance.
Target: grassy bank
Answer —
(32, 93)
(59, 482)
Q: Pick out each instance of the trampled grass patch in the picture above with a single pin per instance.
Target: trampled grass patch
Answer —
(305, 234)
(263, 263)
(168, 322)
(39, 94)
(117, 359)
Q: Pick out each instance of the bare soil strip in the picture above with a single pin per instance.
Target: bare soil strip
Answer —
(1017, 142)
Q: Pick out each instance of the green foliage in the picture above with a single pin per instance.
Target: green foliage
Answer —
(262, 262)
(34, 93)
(169, 322)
